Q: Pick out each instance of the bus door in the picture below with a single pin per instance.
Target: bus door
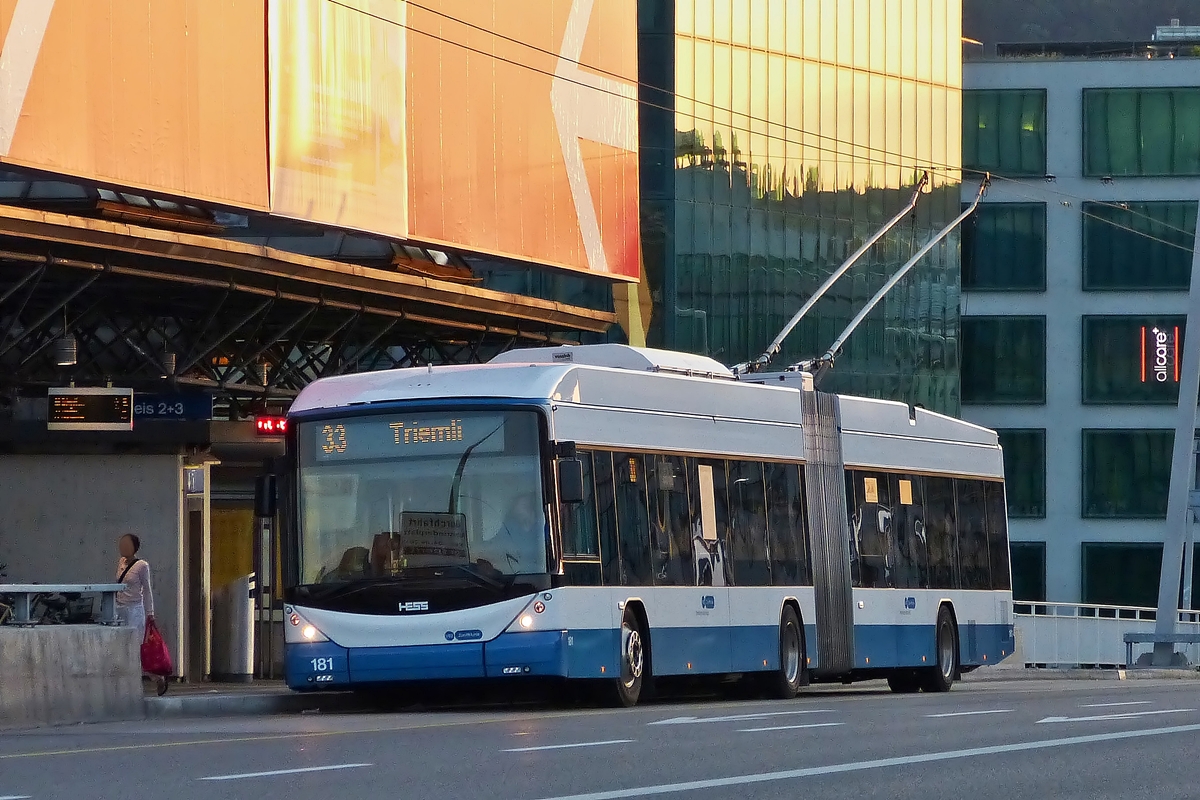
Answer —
(688, 555)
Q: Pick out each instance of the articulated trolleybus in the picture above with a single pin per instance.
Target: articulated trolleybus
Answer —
(614, 514)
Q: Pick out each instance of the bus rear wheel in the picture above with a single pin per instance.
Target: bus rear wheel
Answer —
(941, 677)
(785, 682)
(626, 689)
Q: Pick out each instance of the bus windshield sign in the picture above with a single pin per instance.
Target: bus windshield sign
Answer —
(369, 438)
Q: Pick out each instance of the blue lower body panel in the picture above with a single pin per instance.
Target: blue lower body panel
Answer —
(315, 666)
(887, 646)
(535, 653)
(595, 653)
(416, 663)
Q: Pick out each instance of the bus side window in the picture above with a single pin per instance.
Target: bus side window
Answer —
(670, 521)
(748, 514)
(851, 508)
(710, 548)
(579, 532)
(911, 570)
(872, 526)
(633, 519)
(606, 518)
(997, 523)
(941, 533)
(785, 523)
(972, 534)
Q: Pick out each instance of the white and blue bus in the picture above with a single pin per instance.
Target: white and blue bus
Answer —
(613, 514)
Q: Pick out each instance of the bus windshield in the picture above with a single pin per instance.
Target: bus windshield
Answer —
(383, 494)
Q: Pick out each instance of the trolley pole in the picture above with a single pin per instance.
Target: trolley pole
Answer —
(1179, 513)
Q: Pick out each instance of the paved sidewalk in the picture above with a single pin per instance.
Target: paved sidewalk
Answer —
(1014, 673)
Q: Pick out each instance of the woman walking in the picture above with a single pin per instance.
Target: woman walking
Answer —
(135, 603)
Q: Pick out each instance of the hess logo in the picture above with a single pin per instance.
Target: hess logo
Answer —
(415, 605)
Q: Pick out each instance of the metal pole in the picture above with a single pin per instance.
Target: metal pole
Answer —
(1189, 550)
(825, 362)
(1178, 513)
(775, 346)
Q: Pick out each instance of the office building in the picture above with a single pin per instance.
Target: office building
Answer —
(1074, 289)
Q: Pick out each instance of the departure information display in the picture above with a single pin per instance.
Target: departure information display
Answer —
(90, 409)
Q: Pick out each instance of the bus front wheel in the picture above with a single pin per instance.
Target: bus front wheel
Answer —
(941, 677)
(628, 688)
(786, 681)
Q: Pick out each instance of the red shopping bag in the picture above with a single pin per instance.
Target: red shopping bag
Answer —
(156, 659)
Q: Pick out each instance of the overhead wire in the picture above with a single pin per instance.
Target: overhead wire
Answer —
(916, 164)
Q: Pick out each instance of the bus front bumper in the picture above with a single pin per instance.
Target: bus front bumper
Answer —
(312, 666)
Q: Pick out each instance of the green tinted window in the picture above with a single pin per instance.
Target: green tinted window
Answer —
(1028, 571)
(1005, 131)
(1024, 471)
(1141, 131)
(1003, 360)
(1004, 247)
(1132, 359)
(1126, 473)
(1119, 574)
(1138, 245)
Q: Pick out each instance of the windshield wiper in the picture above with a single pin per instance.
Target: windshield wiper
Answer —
(477, 573)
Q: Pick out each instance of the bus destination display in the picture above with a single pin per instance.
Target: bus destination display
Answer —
(90, 409)
(405, 437)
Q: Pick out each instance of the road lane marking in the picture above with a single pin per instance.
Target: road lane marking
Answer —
(735, 717)
(1126, 715)
(15, 797)
(970, 713)
(274, 772)
(880, 763)
(566, 746)
(792, 727)
(1114, 705)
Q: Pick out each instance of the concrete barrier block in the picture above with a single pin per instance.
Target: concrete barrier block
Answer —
(60, 674)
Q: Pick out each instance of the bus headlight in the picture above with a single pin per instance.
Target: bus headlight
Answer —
(301, 631)
(526, 621)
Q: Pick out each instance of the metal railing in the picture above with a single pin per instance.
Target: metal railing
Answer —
(1085, 635)
(24, 596)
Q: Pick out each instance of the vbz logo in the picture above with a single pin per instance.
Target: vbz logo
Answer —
(910, 602)
(708, 601)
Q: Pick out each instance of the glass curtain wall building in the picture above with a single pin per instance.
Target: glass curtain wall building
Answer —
(777, 135)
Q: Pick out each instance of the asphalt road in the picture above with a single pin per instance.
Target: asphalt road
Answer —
(1012, 739)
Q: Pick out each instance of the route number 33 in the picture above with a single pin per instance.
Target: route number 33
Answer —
(333, 439)
(322, 664)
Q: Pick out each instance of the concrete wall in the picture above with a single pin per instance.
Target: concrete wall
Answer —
(61, 516)
(1064, 303)
(60, 674)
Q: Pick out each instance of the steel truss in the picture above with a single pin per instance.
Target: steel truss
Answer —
(251, 347)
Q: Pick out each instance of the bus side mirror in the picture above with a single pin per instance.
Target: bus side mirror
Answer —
(265, 496)
(570, 481)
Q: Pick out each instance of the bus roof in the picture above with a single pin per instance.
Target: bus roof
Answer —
(594, 378)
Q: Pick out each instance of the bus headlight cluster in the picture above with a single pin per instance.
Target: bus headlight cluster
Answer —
(299, 630)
